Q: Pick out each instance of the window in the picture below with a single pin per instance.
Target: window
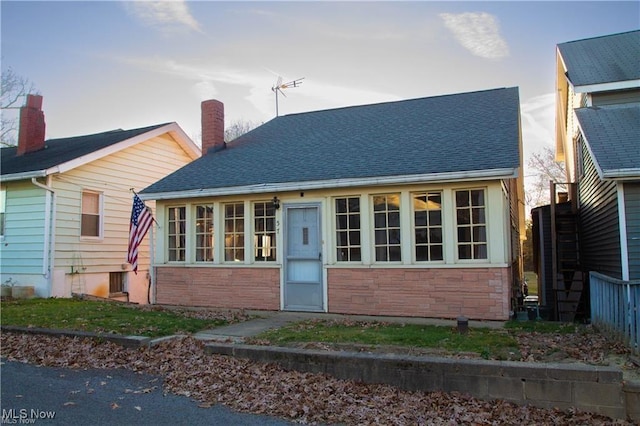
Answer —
(386, 218)
(348, 247)
(116, 282)
(3, 203)
(234, 232)
(264, 237)
(177, 233)
(90, 222)
(204, 233)
(471, 224)
(427, 221)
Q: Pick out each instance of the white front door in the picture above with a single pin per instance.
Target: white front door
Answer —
(303, 259)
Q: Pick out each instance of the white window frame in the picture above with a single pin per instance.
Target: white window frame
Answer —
(100, 215)
(212, 233)
(349, 246)
(255, 248)
(399, 229)
(242, 246)
(414, 226)
(485, 206)
(177, 234)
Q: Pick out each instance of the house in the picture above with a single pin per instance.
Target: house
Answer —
(66, 205)
(410, 208)
(595, 227)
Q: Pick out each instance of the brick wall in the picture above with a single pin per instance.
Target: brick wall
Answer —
(212, 119)
(477, 293)
(232, 288)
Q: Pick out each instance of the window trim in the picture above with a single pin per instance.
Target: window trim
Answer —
(253, 233)
(442, 227)
(373, 228)
(100, 235)
(335, 229)
(486, 259)
(235, 233)
(213, 248)
(167, 235)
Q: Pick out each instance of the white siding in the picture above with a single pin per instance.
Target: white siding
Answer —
(84, 264)
(113, 176)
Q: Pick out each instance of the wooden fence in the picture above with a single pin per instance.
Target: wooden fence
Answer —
(615, 307)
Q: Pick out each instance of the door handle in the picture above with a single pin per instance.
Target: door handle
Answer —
(320, 256)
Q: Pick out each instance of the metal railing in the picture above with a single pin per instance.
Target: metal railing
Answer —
(615, 307)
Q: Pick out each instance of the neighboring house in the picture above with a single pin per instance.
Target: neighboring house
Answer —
(598, 137)
(411, 208)
(596, 228)
(66, 205)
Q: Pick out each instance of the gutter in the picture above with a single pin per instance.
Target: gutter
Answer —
(505, 173)
(606, 86)
(49, 223)
(23, 175)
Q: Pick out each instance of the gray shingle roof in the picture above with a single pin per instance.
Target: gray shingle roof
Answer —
(613, 135)
(443, 134)
(60, 151)
(606, 59)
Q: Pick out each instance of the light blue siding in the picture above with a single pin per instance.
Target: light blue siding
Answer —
(22, 248)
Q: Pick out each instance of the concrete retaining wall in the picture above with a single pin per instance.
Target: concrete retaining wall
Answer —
(588, 388)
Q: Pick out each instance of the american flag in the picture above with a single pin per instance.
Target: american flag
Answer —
(141, 221)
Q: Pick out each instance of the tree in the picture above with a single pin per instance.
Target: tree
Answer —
(238, 128)
(14, 88)
(543, 168)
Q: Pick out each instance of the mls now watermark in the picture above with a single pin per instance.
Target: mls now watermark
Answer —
(24, 416)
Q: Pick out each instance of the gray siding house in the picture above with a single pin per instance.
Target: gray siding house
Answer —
(598, 137)
(588, 239)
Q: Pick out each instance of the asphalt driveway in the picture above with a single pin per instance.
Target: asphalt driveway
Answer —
(45, 395)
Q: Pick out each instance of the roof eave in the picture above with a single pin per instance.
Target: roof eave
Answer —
(621, 174)
(607, 87)
(25, 175)
(172, 128)
(503, 173)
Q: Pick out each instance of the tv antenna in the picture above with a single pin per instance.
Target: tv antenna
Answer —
(280, 85)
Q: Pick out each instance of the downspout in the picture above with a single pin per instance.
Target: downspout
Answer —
(49, 221)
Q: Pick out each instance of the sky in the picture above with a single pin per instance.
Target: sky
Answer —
(104, 65)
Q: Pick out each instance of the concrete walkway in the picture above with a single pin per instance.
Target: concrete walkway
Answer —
(267, 320)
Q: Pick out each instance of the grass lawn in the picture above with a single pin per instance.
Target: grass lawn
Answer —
(96, 316)
(532, 282)
(486, 342)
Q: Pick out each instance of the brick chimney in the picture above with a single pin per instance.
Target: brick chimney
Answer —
(31, 132)
(212, 126)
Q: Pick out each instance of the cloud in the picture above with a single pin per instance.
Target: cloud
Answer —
(477, 32)
(165, 15)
